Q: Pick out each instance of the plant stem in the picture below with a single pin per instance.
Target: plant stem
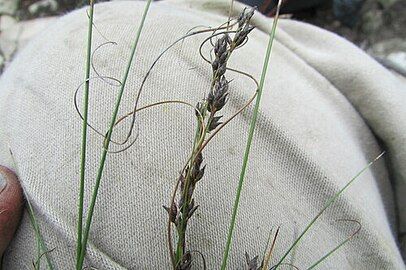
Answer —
(41, 247)
(180, 249)
(268, 258)
(327, 205)
(230, 10)
(249, 142)
(106, 144)
(197, 144)
(84, 132)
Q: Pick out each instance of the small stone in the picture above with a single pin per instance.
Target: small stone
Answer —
(43, 7)
(8, 7)
(6, 22)
(398, 58)
(388, 46)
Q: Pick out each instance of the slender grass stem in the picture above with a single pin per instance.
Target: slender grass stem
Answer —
(230, 10)
(338, 246)
(41, 247)
(266, 246)
(106, 144)
(268, 258)
(327, 205)
(84, 132)
(249, 141)
(196, 144)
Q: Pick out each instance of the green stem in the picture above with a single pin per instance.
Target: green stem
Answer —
(182, 229)
(329, 254)
(84, 133)
(327, 205)
(179, 248)
(79, 264)
(248, 146)
(197, 144)
(41, 247)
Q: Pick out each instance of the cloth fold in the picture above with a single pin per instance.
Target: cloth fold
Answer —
(327, 110)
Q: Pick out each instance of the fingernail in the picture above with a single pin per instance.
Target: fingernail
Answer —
(3, 182)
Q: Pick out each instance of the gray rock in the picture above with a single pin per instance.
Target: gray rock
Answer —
(8, 7)
(6, 22)
(43, 7)
(388, 46)
(398, 58)
(391, 53)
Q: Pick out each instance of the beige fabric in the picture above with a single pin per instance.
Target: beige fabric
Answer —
(326, 110)
(15, 35)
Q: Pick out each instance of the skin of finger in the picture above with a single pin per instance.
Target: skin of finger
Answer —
(11, 206)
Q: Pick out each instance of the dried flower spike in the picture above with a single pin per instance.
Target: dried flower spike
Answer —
(221, 53)
(243, 27)
(173, 212)
(206, 111)
(252, 264)
(217, 97)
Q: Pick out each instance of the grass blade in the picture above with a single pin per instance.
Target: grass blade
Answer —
(267, 246)
(79, 264)
(338, 246)
(249, 141)
(327, 205)
(268, 258)
(41, 247)
(84, 133)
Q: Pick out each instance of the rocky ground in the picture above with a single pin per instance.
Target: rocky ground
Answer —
(379, 28)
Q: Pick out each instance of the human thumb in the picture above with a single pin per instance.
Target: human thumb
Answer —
(11, 206)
